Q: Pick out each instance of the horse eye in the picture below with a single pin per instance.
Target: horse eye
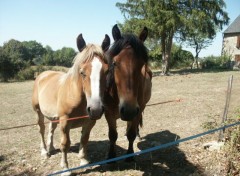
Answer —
(82, 74)
(114, 64)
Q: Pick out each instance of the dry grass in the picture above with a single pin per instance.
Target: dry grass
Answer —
(202, 101)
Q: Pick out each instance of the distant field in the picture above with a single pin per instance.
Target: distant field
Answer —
(202, 102)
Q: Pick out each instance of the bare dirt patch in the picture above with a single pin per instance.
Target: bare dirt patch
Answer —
(202, 101)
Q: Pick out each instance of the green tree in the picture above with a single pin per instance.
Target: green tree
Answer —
(13, 57)
(35, 51)
(166, 19)
(47, 58)
(206, 19)
(64, 57)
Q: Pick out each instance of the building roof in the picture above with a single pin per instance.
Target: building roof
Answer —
(234, 26)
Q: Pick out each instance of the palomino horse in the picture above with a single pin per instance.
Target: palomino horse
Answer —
(128, 85)
(79, 92)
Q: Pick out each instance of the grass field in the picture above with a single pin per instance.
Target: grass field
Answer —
(201, 107)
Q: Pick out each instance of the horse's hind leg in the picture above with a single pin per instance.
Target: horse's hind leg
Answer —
(42, 131)
(86, 129)
(50, 147)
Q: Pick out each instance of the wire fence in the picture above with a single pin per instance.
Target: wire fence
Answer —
(148, 150)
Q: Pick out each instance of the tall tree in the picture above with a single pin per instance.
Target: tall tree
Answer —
(205, 20)
(198, 43)
(165, 18)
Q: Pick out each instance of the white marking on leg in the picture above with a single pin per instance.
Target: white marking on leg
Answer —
(95, 78)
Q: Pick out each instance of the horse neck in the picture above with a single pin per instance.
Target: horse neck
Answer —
(73, 85)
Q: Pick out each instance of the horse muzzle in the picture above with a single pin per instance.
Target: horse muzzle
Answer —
(95, 113)
(128, 112)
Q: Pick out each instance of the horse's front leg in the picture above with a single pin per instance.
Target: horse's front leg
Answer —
(112, 133)
(50, 147)
(65, 142)
(86, 129)
(131, 135)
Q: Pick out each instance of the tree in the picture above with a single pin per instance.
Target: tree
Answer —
(6, 66)
(64, 57)
(206, 19)
(47, 58)
(165, 19)
(35, 51)
(13, 57)
(198, 43)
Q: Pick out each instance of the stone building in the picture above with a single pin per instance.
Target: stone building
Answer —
(231, 42)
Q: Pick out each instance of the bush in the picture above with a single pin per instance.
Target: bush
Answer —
(179, 58)
(232, 148)
(25, 74)
(31, 72)
(216, 62)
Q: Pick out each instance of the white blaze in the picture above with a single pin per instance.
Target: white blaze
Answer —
(95, 78)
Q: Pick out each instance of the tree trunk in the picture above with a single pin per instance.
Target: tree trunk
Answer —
(166, 52)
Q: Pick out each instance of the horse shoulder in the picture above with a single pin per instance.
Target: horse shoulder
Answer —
(71, 99)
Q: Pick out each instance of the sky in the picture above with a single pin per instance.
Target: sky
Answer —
(57, 23)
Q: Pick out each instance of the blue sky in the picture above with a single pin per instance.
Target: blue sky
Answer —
(57, 23)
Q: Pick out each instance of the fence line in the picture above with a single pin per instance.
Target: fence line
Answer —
(54, 121)
(147, 150)
(22, 126)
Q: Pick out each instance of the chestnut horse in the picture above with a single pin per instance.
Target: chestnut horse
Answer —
(79, 92)
(128, 85)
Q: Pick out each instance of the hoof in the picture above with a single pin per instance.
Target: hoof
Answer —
(45, 155)
(51, 149)
(83, 162)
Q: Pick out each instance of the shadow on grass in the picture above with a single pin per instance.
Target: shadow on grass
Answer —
(169, 161)
(16, 170)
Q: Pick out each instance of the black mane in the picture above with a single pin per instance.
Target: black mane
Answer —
(128, 39)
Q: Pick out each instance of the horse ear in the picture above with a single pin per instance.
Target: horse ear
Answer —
(143, 35)
(81, 44)
(116, 33)
(106, 43)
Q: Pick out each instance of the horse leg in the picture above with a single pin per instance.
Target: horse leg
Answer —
(112, 134)
(85, 133)
(40, 118)
(52, 127)
(65, 143)
(131, 135)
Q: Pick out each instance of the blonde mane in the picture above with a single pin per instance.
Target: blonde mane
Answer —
(85, 56)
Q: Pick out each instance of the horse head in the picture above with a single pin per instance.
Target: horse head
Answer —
(93, 70)
(126, 58)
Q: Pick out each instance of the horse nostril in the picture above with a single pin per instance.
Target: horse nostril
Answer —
(89, 110)
(137, 110)
(122, 110)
